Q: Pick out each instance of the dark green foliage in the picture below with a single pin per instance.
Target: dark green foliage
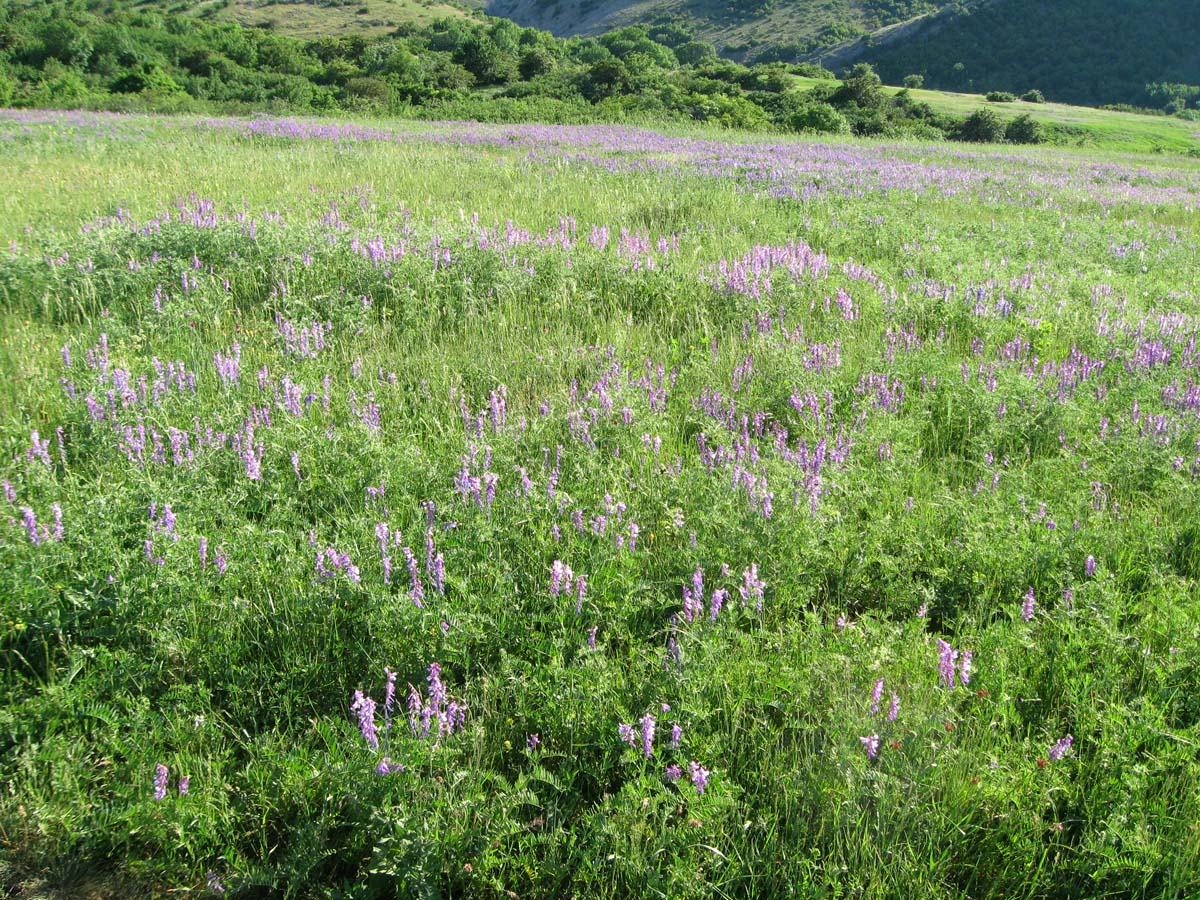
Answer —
(820, 118)
(982, 126)
(1000, 97)
(67, 53)
(536, 61)
(861, 87)
(1033, 96)
(486, 61)
(1077, 51)
(1024, 129)
(914, 81)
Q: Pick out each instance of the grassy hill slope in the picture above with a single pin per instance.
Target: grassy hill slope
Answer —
(309, 19)
(744, 30)
(1077, 51)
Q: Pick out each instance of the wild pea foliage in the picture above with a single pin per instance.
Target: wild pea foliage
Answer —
(354, 549)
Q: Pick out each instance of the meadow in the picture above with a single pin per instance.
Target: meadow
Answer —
(449, 510)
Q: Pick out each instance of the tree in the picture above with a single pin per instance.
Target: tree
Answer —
(535, 61)
(604, 78)
(487, 62)
(982, 127)
(860, 86)
(914, 81)
(820, 118)
(1024, 129)
(696, 53)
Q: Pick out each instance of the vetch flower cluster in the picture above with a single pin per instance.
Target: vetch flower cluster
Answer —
(952, 664)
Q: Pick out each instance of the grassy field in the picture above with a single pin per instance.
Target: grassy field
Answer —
(304, 19)
(1082, 126)
(443, 510)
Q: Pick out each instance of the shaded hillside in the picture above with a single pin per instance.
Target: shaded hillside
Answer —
(753, 29)
(319, 18)
(1076, 51)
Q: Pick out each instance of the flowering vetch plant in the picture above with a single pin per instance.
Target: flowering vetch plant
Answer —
(1060, 747)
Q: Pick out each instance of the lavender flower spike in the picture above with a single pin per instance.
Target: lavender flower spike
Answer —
(160, 781)
(1060, 747)
(876, 694)
(871, 745)
(364, 708)
(946, 659)
(648, 735)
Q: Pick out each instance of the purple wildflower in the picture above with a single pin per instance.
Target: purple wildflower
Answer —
(160, 781)
(964, 667)
(676, 736)
(533, 742)
(29, 518)
(437, 688)
(674, 773)
(184, 782)
(416, 589)
(416, 710)
(720, 595)
(364, 708)
(946, 659)
(876, 694)
(1089, 566)
(871, 745)
(752, 588)
(389, 695)
(1060, 747)
(1028, 606)
(628, 734)
(580, 592)
(648, 735)
(895, 707)
(561, 577)
(387, 767)
(699, 775)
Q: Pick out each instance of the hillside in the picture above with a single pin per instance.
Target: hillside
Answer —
(1076, 51)
(755, 29)
(319, 18)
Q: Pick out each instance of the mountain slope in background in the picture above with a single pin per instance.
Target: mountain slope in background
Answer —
(325, 18)
(1076, 51)
(742, 29)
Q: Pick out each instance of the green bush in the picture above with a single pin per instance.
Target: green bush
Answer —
(819, 118)
(982, 127)
(1024, 129)
(1000, 97)
(1033, 96)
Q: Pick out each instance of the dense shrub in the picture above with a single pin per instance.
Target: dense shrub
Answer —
(1024, 129)
(820, 118)
(982, 126)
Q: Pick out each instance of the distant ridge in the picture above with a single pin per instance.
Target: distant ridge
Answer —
(1079, 51)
